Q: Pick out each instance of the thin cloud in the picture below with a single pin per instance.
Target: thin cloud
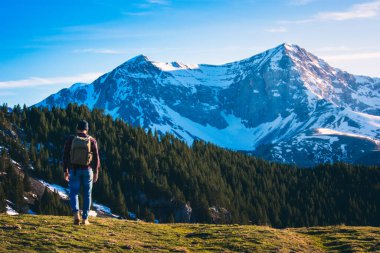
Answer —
(337, 49)
(98, 51)
(97, 33)
(137, 13)
(277, 30)
(357, 11)
(39, 81)
(366, 10)
(300, 2)
(151, 3)
(7, 93)
(354, 56)
(160, 2)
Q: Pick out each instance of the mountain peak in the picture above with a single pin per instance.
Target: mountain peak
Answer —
(287, 47)
(139, 58)
(299, 55)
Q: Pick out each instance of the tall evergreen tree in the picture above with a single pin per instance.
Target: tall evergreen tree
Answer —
(26, 182)
(3, 203)
(120, 204)
(14, 187)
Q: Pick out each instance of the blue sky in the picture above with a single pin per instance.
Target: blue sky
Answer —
(47, 45)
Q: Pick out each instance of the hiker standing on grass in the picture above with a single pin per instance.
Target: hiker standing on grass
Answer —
(81, 166)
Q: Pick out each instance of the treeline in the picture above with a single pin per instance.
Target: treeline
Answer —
(15, 183)
(160, 177)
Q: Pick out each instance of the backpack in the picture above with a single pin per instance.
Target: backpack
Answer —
(80, 153)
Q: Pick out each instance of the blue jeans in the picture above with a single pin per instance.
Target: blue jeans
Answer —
(83, 177)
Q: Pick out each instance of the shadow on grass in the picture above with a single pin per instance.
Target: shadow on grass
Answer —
(200, 235)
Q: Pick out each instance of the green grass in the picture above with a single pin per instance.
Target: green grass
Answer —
(27, 233)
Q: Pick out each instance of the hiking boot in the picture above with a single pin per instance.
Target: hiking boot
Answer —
(85, 222)
(76, 218)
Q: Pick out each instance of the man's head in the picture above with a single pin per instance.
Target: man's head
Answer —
(82, 126)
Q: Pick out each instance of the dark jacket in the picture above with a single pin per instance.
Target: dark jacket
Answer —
(95, 163)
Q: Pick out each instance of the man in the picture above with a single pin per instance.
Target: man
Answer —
(81, 166)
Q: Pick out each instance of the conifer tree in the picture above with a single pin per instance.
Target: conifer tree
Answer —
(26, 182)
(171, 218)
(3, 203)
(148, 215)
(14, 187)
(120, 205)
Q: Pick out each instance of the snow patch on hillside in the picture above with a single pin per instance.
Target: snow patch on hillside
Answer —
(10, 210)
(104, 209)
(326, 131)
(62, 191)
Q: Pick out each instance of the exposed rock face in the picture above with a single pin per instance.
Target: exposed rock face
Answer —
(284, 104)
(183, 213)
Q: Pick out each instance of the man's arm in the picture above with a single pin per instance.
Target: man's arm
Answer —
(66, 155)
(95, 159)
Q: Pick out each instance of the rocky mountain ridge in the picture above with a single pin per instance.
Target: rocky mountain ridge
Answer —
(284, 104)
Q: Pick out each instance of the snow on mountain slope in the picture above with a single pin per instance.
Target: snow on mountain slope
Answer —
(358, 93)
(274, 104)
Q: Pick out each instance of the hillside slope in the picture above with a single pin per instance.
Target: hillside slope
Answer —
(162, 178)
(54, 233)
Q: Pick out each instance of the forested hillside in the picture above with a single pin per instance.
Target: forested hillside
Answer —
(160, 177)
(16, 188)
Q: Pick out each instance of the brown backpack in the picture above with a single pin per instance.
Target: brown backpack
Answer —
(80, 153)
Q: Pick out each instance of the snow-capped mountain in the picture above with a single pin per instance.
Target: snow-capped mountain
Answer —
(284, 104)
